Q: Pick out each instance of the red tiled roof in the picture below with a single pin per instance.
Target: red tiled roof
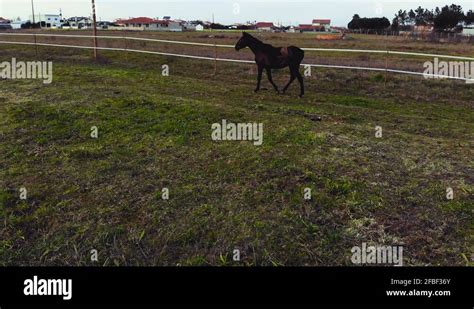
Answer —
(264, 25)
(142, 20)
(321, 21)
(305, 26)
(309, 27)
(138, 20)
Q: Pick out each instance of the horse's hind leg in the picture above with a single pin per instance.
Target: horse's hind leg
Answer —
(292, 78)
(270, 79)
(298, 74)
(301, 81)
(295, 67)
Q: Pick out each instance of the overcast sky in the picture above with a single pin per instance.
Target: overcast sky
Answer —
(225, 11)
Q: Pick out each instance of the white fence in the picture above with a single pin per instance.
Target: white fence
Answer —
(386, 52)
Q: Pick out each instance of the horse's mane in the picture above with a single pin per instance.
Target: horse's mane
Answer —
(251, 37)
(254, 39)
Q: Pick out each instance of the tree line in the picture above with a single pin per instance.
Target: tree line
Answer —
(445, 19)
(374, 24)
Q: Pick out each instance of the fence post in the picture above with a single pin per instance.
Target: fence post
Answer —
(215, 57)
(126, 48)
(36, 45)
(386, 63)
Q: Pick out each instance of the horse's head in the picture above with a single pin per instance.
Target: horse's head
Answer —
(243, 42)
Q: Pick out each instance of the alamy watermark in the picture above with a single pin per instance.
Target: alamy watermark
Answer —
(15, 69)
(381, 255)
(228, 131)
(445, 69)
(48, 287)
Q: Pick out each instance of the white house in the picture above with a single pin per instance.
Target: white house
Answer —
(199, 28)
(150, 24)
(188, 26)
(79, 22)
(264, 26)
(16, 24)
(48, 20)
(166, 25)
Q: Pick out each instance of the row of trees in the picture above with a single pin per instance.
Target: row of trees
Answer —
(375, 24)
(443, 19)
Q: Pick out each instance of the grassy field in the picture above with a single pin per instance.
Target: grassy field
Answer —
(155, 133)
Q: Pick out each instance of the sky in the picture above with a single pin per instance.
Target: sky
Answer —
(287, 12)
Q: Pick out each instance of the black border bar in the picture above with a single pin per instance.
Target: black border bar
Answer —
(239, 286)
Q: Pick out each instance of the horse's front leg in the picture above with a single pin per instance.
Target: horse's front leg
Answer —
(259, 78)
(300, 79)
(270, 79)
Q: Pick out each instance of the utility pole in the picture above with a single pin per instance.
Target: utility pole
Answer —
(34, 22)
(215, 48)
(94, 27)
(33, 11)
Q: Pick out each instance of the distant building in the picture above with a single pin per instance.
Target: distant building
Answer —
(264, 26)
(168, 25)
(47, 20)
(5, 24)
(304, 28)
(139, 22)
(199, 28)
(79, 22)
(310, 28)
(188, 26)
(468, 30)
(150, 24)
(17, 23)
(423, 29)
(339, 29)
(326, 23)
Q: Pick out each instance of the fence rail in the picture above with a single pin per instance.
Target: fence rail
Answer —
(370, 51)
(236, 60)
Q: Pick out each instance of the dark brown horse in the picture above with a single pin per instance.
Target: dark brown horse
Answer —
(268, 57)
